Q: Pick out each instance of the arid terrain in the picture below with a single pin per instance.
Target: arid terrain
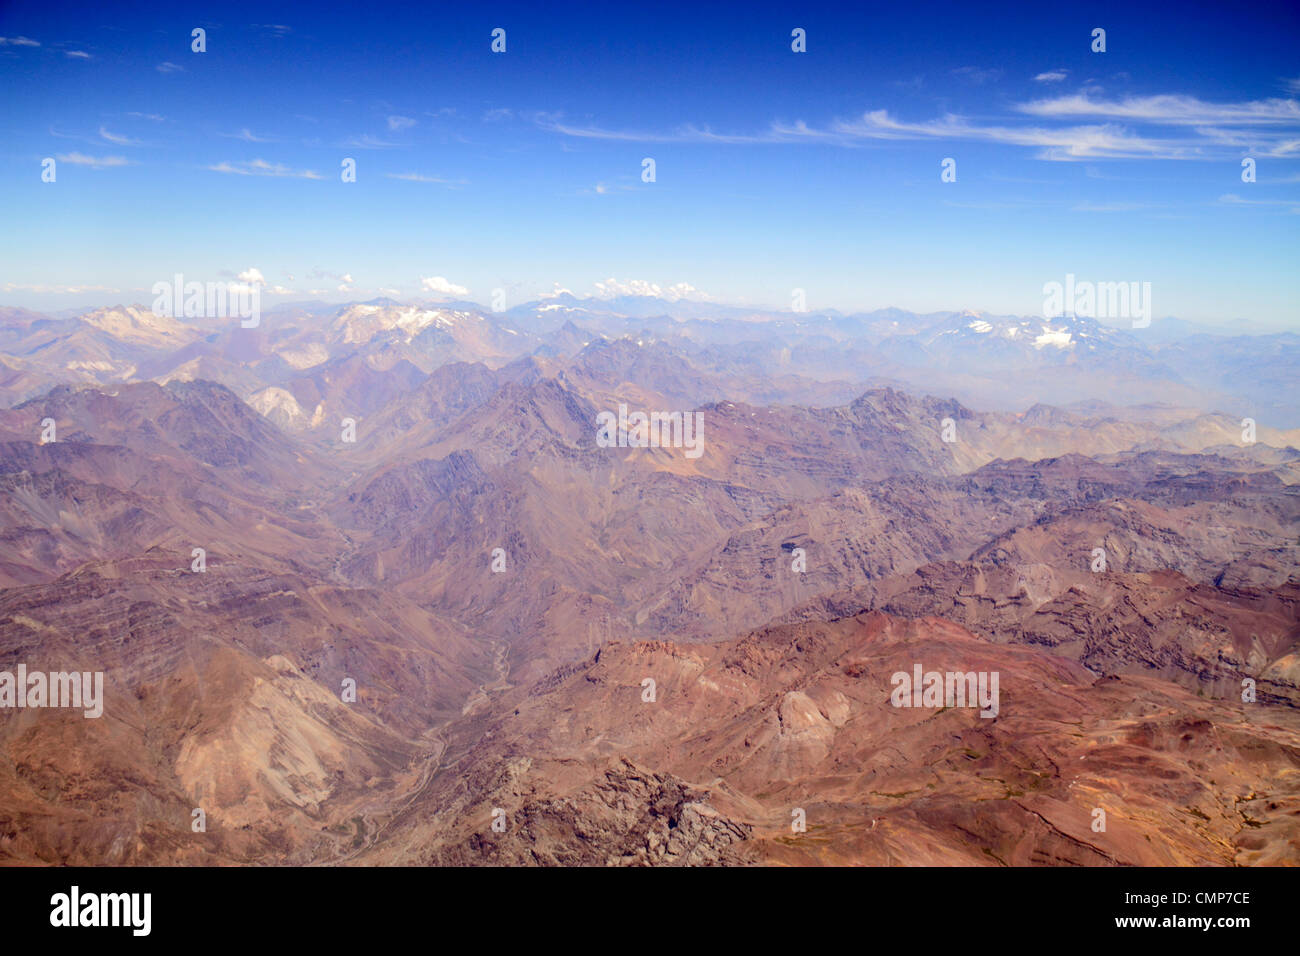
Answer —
(628, 655)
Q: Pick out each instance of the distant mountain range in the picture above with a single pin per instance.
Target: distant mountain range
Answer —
(294, 360)
(414, 497)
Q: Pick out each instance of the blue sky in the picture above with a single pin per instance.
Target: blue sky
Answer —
(775, 170)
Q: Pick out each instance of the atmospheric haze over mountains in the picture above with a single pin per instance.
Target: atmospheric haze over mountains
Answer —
(366, 585)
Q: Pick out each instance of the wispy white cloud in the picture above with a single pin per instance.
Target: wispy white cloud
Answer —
(1203, 130)
(170, 68)
(607, 189)
(248, 136)
(421, 178)
(400, 122)
(78, 54)
(58, 289)
(368, 142)
(260, 167)
(319, 273)
(1051, 76)
(1167, 110)
(1232, 199)
(152, 117)
(18, 41)
(117, 139)
(95, 162)
(1060, 143)
(683, 134)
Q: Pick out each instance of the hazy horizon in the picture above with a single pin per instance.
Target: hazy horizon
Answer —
(774, 170)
